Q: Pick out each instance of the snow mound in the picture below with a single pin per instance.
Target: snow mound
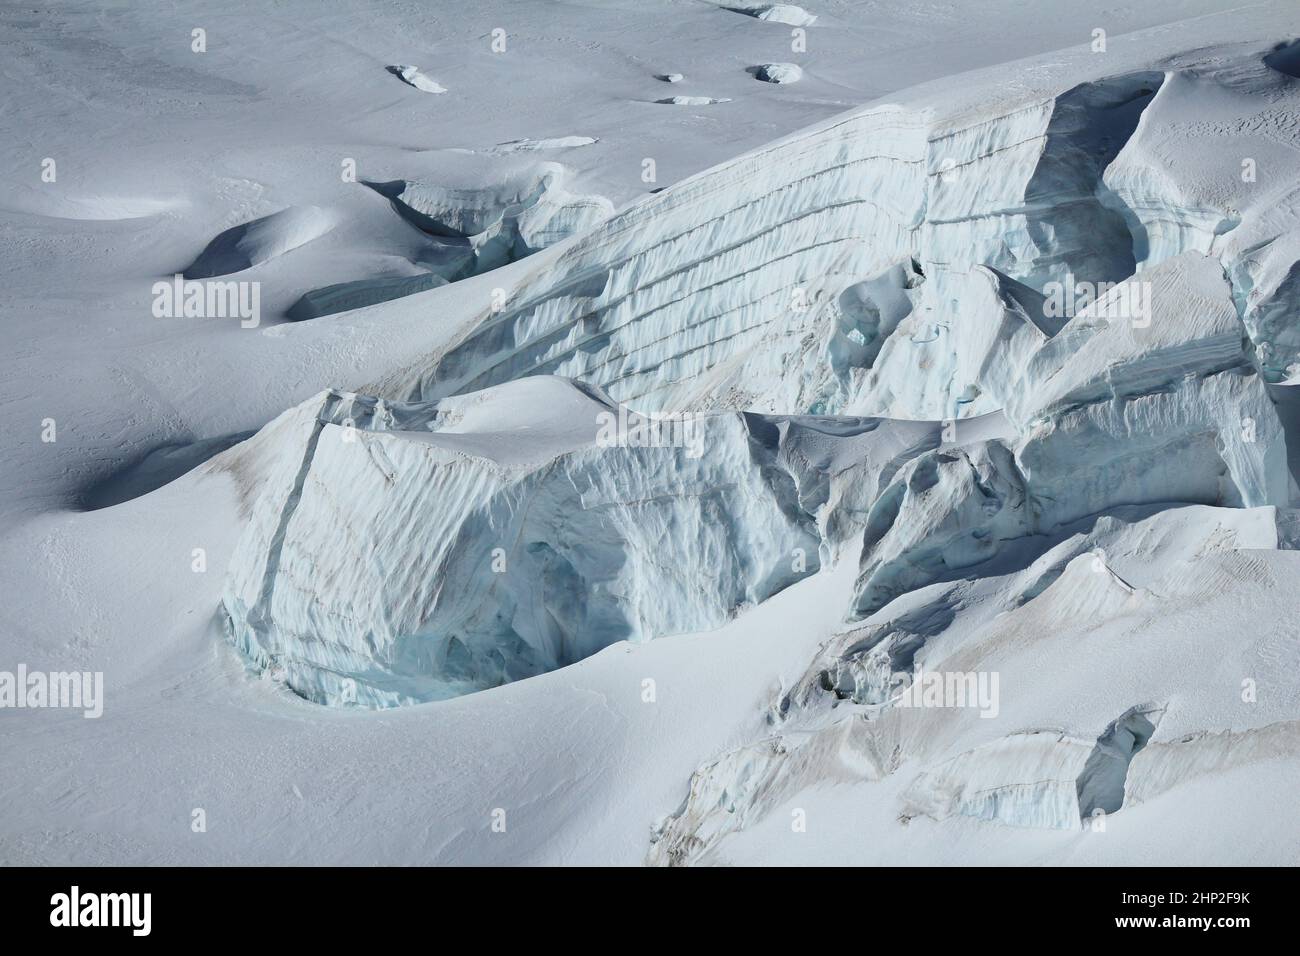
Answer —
(692, 100)
(787, 13)
(670, 77)
(261, 240)
(778, 72)
(412, 76)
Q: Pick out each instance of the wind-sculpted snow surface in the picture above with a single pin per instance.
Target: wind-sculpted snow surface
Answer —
(258, 241)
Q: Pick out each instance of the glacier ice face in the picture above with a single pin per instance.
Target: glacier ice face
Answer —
(817, 275)
(409, 555)
(490, 226)
(1028, 779)
(1043, 779)
(410, 551)
(1075, 600)
(808, 276)
(1161, 407)
(686, 285)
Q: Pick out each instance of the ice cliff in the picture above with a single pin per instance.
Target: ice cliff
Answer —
(406, 552)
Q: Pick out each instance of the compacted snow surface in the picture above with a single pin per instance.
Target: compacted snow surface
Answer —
(892, 462)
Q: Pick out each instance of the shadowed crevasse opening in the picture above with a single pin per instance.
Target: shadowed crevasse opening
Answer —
(1100, 238)
(1285, 58)
(1101, 784)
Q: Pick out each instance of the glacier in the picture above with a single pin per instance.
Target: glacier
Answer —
(865, 320)
(944, 268)
(585, 541)
(580, 545)
(636, 505)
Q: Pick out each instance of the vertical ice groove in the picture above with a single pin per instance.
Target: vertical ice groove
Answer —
(259, 613)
